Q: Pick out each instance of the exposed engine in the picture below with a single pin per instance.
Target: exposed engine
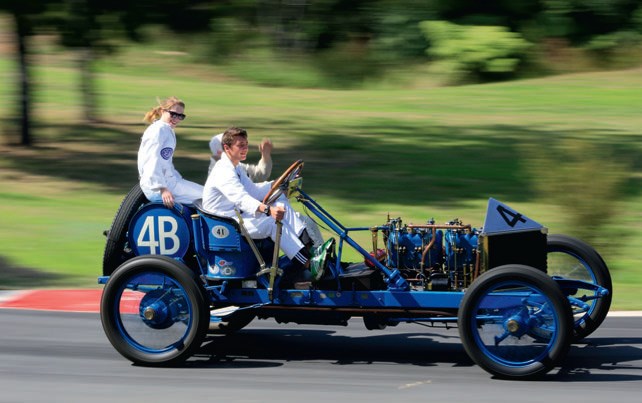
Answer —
(438, 257)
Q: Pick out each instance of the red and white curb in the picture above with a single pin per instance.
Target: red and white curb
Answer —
(69, 300)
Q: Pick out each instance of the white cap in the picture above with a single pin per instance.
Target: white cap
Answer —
(216, 146)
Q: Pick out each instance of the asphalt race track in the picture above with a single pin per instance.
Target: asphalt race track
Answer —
(49, 356)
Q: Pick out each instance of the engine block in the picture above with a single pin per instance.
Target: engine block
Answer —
(432, 256)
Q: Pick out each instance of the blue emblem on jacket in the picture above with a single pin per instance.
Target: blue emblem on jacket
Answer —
(166, 152)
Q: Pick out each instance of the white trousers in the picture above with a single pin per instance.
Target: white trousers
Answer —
(312, 228)
(264, 226)
(184, 191)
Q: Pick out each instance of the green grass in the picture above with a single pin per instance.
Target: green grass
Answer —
(421, 153)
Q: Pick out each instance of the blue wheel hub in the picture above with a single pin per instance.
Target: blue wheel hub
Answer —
(157, 310)
(517, 325)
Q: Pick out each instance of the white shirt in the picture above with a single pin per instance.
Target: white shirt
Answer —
(228, 187)
(155, 166)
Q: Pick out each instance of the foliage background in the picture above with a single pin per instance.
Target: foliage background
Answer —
(355, 88)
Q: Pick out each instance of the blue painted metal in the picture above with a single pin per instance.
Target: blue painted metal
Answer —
(434, 300)
(530, 314)
(418, 257)
(157, 230)
(578, 303)
(393, 277)
(169, 304)
(223, 254)
(406, 247)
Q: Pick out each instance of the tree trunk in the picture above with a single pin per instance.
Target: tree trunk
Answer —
(22, 32)
(85, 65)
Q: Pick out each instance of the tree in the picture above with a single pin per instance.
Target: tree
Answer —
(88, 26)
(24, 14)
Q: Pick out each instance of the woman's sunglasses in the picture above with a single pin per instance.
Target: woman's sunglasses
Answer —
(175, 115)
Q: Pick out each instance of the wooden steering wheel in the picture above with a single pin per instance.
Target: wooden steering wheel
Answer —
(281, 184)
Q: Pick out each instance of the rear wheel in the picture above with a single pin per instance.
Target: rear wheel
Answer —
(153, 311)
(116, 251)
(573, 259)
(515, 322)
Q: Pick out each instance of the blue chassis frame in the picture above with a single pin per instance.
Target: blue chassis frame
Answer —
(396, 304)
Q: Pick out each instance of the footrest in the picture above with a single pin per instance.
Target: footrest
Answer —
(360, 277)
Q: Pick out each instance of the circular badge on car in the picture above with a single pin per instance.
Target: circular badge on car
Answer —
(220, 232)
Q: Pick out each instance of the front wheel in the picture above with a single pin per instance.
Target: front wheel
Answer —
(515, 322)
(153, 311)
(573, 259)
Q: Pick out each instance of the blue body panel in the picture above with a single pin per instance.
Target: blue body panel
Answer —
(228, 254)
(224, 255)
(157, 230)
(430, 300)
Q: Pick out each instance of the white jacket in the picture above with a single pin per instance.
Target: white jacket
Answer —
(155, 166)
(228, 187)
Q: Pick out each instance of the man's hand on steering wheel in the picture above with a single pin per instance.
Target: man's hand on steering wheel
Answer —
(277, 212)
(281, 184)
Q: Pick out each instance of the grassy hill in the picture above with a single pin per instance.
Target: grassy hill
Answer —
(563, 150)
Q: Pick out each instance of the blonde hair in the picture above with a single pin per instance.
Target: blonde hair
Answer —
(156, 112)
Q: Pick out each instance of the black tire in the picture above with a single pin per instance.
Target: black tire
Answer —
(574, 259)
(515, 322)
(116, 252)
(153, 311)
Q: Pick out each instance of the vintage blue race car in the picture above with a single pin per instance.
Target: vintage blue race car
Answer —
(518, 295)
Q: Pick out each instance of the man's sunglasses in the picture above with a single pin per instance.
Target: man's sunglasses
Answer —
(174, 115)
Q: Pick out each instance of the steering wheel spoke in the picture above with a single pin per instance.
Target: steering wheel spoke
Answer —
(282, 183)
